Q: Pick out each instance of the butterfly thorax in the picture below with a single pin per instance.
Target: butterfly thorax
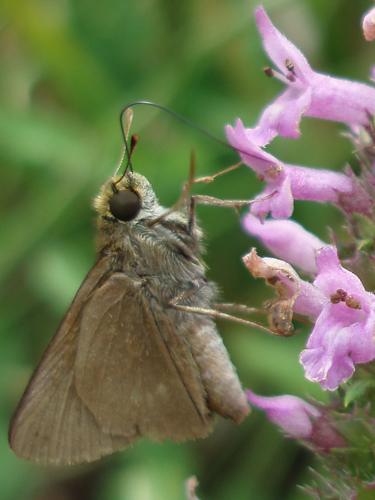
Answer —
(156, 246)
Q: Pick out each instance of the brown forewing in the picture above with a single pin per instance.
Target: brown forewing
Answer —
(114, 371)
(133, 370)
(51, 424)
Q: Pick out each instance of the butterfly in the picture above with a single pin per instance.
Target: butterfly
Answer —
(137, 354)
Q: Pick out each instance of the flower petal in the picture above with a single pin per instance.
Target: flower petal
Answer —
(335, 345)
(276, 199)
(313, 184)
(263, 163)
(277, 235)
(323, 360)
(292, 414)
(332, 276)
(282, 116)
(309, 301)
(341, 100)
(279, 48)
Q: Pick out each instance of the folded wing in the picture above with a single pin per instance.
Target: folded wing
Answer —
(51, 424)
(116, 370)
(134, 371)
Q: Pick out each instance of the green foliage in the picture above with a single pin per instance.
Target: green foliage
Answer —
(67, 68)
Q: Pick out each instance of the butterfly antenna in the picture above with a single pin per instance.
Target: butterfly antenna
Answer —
(126, 116)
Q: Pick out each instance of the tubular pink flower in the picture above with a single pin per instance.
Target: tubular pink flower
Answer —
(368, 25)
(294, 415)
(287, 240)
(343, 311)
(343, 334)
(299, 420)
(308, 92)
(285, 182)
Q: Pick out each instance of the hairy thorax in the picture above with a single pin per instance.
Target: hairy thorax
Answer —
(164, 257)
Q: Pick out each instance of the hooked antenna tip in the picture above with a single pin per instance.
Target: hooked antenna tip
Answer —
(133, 142)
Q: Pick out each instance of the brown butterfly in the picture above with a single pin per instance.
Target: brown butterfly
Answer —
(137, 354)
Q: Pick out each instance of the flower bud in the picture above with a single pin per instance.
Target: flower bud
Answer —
(368, 25)
(299, 420)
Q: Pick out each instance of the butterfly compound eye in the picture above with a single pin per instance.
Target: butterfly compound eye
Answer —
(125, 205)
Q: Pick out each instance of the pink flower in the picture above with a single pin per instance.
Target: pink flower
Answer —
(308, 92)
(343, 334)
(285, 182)
(368, 25)
(287, 240)
(299, 420)
(343, 312)
(290, 413)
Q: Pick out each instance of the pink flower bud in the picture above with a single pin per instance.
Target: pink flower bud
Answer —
(299, 420)
(368, 25)
(277, 235)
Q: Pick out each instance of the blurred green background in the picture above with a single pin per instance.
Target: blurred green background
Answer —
(66, 69)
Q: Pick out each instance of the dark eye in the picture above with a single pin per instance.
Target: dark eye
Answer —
(125, 205)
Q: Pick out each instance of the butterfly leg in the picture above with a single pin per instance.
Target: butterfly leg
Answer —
(215, 202)
(215, 314)
(239, 308)
(205, 179)
(210, 178)
(218, 202)
(186, 188)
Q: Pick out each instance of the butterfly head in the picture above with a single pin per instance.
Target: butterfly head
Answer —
(126, 198)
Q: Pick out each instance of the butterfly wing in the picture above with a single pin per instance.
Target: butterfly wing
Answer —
(51, 424)
(115, 371)
(134, 371)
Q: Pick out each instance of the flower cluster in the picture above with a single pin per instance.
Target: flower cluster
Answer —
(334, 299)
(342, 310)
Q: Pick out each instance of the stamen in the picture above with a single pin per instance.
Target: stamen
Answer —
(339, 296)
(352, 302)
(270, 72)
(274, 171)
(290, 66)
